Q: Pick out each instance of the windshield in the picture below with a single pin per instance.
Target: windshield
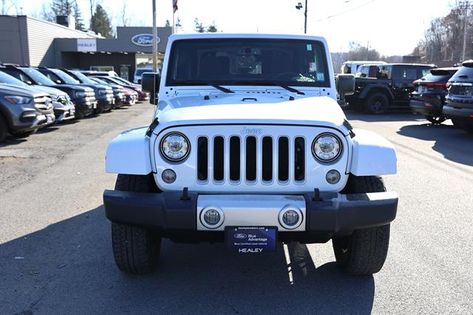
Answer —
(38, 77)
(65, 77)
(140, 71)
(83, 78)
(248, 62)
(114, 80)
(8, 79)
(97, 80)
(119, 79)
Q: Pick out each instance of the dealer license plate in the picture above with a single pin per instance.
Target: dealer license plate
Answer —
(251, 239)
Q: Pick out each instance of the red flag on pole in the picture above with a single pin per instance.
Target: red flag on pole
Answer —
(174, 5)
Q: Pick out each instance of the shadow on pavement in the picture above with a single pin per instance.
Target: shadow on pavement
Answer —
(68, 268)
(12, 141)
(453, 143)
(394, 116)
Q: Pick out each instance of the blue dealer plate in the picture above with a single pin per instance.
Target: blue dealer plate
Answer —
(251, 239)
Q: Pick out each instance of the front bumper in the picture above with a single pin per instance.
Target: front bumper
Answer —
(29, 120)
(131, 99)
(143, 96)
(85, 106)
(175, 214)
(458, 112)
(64, 112)
(106, 102)
(426, 107)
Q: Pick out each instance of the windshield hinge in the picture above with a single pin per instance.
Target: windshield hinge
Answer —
(152, 126)
(347, 125)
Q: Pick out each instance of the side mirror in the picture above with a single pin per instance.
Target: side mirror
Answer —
(150, 83)
(58, 81)
(345, 84)
(29, 82)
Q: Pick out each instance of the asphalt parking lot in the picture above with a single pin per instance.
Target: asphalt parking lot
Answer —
(56, 257)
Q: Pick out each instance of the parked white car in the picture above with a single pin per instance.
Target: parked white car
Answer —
(351, 67)
(249, 146)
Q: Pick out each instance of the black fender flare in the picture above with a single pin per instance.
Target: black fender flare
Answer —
(376, 88)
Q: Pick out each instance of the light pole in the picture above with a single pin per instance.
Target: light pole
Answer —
(298, 7)
(155, 42)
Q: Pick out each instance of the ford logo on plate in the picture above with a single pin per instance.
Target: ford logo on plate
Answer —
(144, 39)
(240, 236)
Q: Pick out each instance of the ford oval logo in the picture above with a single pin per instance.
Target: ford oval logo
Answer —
(144, 39)
(240, 236)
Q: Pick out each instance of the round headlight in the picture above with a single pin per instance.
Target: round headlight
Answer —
(175, 147)
(326, 147)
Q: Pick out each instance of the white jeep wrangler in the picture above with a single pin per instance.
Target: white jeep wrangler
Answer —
(249, 146)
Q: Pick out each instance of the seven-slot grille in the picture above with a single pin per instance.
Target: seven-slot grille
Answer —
(252, 158)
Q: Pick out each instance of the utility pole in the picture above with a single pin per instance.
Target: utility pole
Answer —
(298, 7)
(305, 18)
(155, 42)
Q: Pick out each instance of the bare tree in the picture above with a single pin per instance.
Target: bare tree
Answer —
(92, 5)
(360, 52)
(123, 14)
(446, 40)
(47, 14)
(8, 5)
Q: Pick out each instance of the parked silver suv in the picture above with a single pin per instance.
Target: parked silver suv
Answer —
(23, 111)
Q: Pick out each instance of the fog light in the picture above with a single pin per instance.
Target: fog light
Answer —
(212, 218)
(290, 218)
(333, 177)
(168, 176)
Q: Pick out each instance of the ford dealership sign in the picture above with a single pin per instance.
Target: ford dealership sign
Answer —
(143, 39)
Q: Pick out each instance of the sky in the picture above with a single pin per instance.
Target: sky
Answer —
(393, 27)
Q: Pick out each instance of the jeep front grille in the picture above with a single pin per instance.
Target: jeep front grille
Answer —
(236, 159)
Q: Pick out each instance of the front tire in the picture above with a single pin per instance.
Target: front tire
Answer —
(363, 252)
(135, 248)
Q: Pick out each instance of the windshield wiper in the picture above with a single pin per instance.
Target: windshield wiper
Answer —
(221, 88)
(270, 83)
(291, 89)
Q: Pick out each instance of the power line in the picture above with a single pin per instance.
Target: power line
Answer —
(346, 11)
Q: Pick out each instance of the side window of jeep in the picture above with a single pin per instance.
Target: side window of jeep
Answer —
(362, 72)
(406, 73)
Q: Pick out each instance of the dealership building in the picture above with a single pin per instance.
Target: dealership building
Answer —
(29, 41)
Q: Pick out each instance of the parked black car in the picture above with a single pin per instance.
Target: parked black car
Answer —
(382, 87)
(118, 90)
(459, 100)
(23, 111)
(142, 95)
(83, 97)
(428, 98)
(103, 94)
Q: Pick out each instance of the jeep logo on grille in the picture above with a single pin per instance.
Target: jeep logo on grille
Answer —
(251, 131)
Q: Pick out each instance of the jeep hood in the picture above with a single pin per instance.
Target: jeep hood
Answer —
(251, 109)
